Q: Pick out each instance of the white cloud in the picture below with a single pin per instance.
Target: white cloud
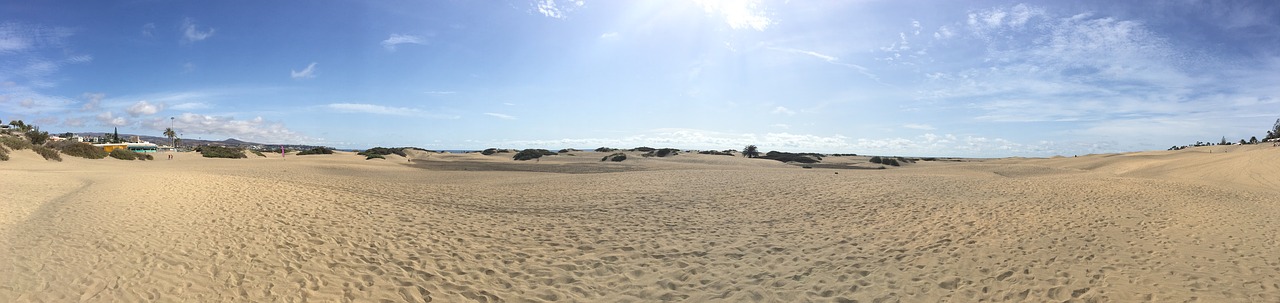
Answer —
(253, 130)
(549, 8)
(781, 125)
(783, 110)
(918, 126)
(739, 14)
(364, 108)
(501, 116)
(148, 29)
(915, 27)
(306, 73)
(609, 36)
(192, 33)
(397, 39)
(143, 108)
(109, 119)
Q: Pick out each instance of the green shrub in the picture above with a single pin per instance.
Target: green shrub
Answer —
(489, 151)
(615, 157)
(316, 151)
(15, 143)
(877, 160)
(124, 154)
(259, 153)
(793, 157)
(892, 161)
(47, 153)
(383, 151)
(4, 153)
(643, 149)
(220, 152)
(567, 150)
(38, 137)
(374, 156)
(79, 149)
(606, 150)
(714, 152)
(530, 154)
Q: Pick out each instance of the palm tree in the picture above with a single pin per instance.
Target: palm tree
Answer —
(168, 132)
(751, 151)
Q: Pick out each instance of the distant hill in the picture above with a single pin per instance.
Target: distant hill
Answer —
(229, 142)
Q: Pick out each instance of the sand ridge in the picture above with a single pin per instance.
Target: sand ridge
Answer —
(1156, 226)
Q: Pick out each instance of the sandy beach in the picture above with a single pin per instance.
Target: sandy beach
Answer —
(1161, 226)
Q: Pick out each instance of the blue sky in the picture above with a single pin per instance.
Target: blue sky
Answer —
(949, 78)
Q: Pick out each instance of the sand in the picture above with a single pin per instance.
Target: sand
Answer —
(1154, 226)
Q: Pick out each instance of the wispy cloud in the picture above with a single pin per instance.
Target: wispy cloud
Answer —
(191, 32)
(739, 14)
(551, 9)
(829, 59)
(16, 36)
(782, 110)
(365, 108)
(501, 116)
(609, 36)
(148, 29)
(190, 106)
(440, 92)
(92, 101)
(918, 126)
(306, 73)
(397, 39)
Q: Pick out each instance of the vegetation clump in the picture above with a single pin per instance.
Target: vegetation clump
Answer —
(4, 153)
(259, 153)
(806, 158)
(606, 150)
(715, 152)
(530, 154)
(489, 151)
(47, 153)
(218, 152)
(15, 143)
(374, 156)
(662, 152)
(383, 151)
(567, 150)
(316, 151)
(124, 154)
(643, 149)
(894, 161)
(615, 157)
(79, 149)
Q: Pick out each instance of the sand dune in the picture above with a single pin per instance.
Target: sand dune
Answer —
(1155, 226)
